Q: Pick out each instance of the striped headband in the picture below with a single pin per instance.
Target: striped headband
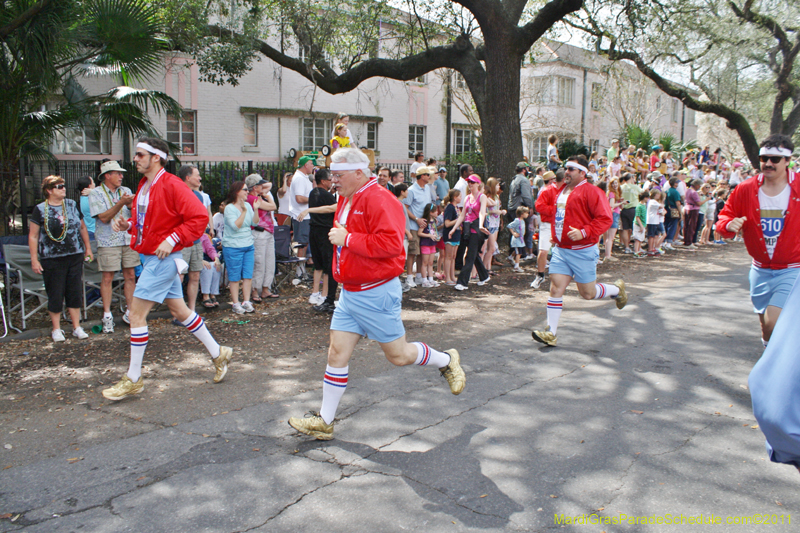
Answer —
(154, 151)
(775, 150)
(573, 164)
(350, 166)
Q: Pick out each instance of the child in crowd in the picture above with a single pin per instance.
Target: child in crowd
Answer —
(640, 225)
(653, 233)
(708, 214)
(401, 191)
(517, 229)
(340, 138)
(451, 244)
(427, 244)
(721, 195)
(209, 276)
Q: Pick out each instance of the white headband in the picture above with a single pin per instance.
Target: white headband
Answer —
(573, 164)
(154, 151)
(349, 166)
(774, 150)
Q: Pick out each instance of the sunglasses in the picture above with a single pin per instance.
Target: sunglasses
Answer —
(774, 159)
(60, 186)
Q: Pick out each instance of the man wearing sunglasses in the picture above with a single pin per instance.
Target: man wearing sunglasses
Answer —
(760, 209)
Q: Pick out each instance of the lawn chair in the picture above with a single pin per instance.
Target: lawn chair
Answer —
(92, 278)
(22, 278)
(8, 239)
(285, 258)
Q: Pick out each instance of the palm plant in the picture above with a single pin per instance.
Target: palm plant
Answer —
(637, 136)
(668, 142)
(47, 48)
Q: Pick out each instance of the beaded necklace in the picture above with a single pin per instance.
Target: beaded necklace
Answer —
(47, 223)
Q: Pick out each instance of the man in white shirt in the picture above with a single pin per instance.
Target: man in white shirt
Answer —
(418, 157)
(299, 190)
(461, 185)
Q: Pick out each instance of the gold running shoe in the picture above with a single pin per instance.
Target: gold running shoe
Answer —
(453, 373)
(545, 337)
(124, 388)
(221, 363)
(313, 424)
(622, 297)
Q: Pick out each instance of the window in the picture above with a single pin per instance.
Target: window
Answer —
(304, 54)
(372, 135)
(83, 141)
(594, 145)
(676, 110)
(250, 129)
(658, 103)
(464, 141)
(416, 140)
(597, 96)
(315, 133)
(460, 82)
(690, 116)
(538, 148)
(540, 90)
(421, 79)
(565, 89)
(181, 131)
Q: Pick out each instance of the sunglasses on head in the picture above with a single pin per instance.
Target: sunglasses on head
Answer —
(774, 159)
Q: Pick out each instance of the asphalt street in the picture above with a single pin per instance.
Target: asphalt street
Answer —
(642, 412)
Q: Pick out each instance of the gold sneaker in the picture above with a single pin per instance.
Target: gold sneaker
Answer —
(221, 363)
(622, 297)
(453, 373)
(545, 337)
(124, 388)
(313, 424)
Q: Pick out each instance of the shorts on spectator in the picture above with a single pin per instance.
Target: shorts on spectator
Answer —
(374, 313)
(661, 229)
(321, 248)
(440, 244)
(413, 244)
(454, 243)
(626, 217)
(770, 287)
(639, 234)
(519, 250)
(653, 230)
(159, 280)
(615, 221)
(194, 256)
(545, 234)
(301, 231)
(427, 250)
(239, 262)
(581, 265)
(115, 258)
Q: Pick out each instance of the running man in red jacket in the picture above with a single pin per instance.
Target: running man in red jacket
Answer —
(765, 209)
(165, 218)
(368, 257)
(582, 214)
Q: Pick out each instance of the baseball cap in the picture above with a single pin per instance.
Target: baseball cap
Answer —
(305, 159)
(523, 164)
(442, 169)
(254, 180)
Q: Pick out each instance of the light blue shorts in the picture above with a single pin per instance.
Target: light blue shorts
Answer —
(159, 280)
(581, 265)
(374, 313)
(239, 262)
(770, 287)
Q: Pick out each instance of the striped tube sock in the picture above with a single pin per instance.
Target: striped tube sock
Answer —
(428, 356)
(554, 306)
(333, 387)
(604, 290)
(197, 326)
(764, 342)
(138, 346)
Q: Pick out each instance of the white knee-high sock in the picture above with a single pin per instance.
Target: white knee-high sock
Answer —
(764, 342)
(427, 356)
(333, 387)
(139, 338)
(554, 306)
(604, 290)
(197, 325)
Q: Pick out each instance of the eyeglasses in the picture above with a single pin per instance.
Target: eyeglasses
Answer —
(774, 159)
(338, 175)
(60, 186)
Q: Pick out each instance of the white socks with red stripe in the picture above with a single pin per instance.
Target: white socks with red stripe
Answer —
(428, 356)
(197, 325)
(139, 339)
(604, 290)
(554, 306)
(333, 387)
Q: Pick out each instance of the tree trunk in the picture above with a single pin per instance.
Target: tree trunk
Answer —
(499, 111)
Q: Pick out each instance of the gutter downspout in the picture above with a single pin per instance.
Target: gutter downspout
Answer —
(583, 108)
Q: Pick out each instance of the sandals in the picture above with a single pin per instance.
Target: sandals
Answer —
(214, 301)
(270, 295)
(255, 299)
(209, 304)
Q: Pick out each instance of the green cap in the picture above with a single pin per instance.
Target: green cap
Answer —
(305, 159)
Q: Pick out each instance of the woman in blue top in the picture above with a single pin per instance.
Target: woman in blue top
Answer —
(84, 187)
(237, 245)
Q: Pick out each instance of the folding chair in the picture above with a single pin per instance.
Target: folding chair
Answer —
(8, 239)
(92, 277)
(285, 258)
(22, 278)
